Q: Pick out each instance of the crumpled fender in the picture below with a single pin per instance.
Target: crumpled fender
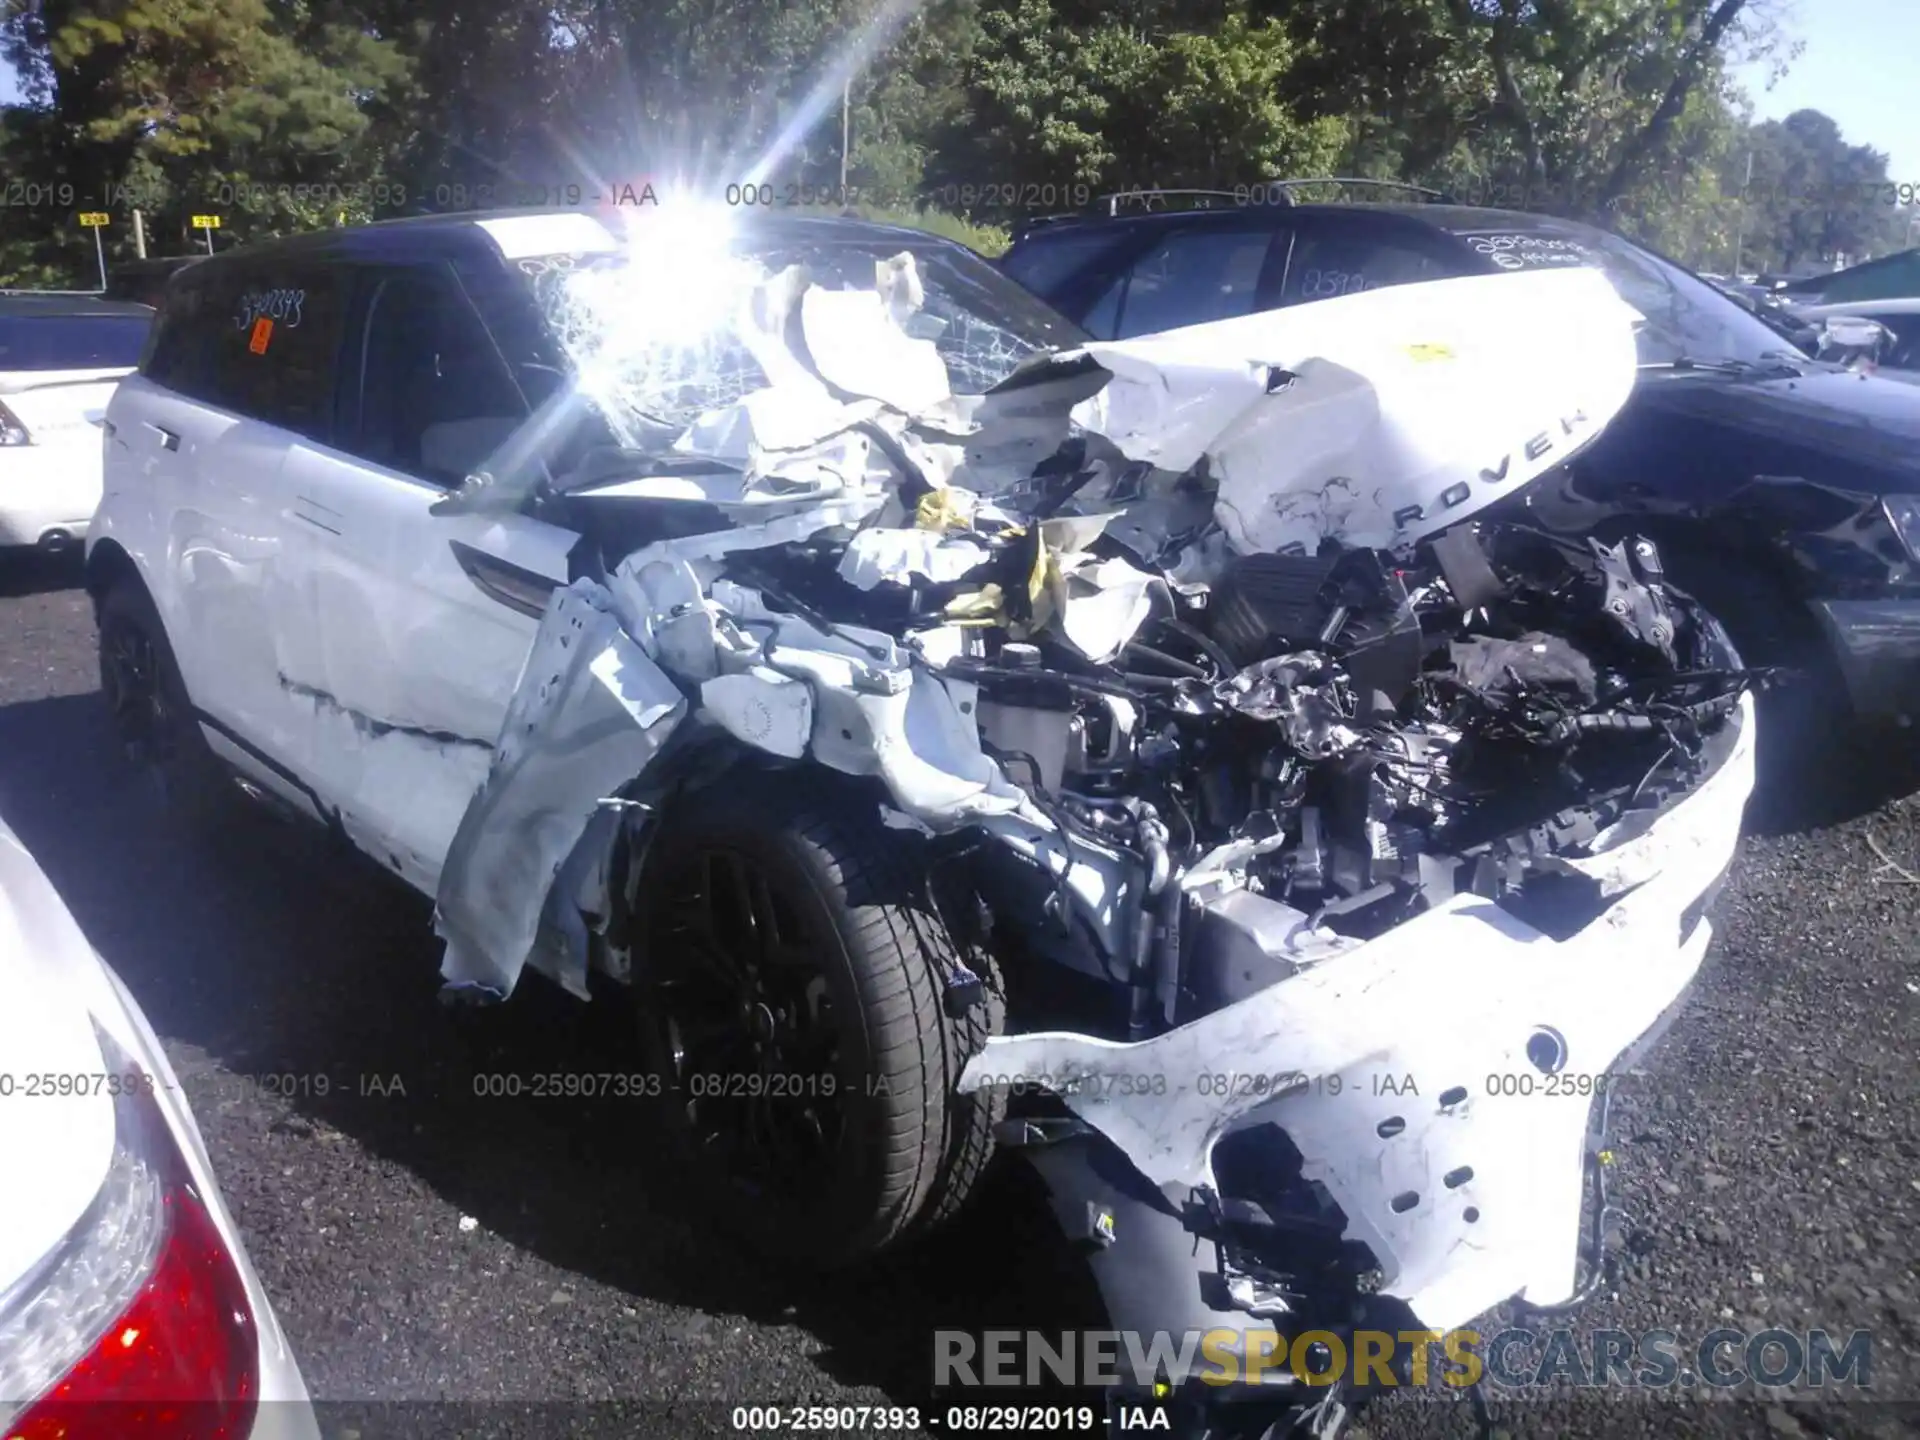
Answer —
(1466, 1194)
(590, 712)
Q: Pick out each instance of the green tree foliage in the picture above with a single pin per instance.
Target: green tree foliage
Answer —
(178, 106)
(1569, 103)
(285, 114)
(1813, 197)
(1123, 99)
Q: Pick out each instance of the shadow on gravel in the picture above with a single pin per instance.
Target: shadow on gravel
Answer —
(31, 572)
(268, 949)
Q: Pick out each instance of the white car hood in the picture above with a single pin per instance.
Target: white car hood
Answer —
(1374, 419)
(56, 1146)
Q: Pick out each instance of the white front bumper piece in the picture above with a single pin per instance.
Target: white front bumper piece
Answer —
(1438, 1081)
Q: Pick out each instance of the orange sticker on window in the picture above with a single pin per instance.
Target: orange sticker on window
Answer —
(262, 332)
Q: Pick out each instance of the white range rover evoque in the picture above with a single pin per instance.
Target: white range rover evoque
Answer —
(956, 734)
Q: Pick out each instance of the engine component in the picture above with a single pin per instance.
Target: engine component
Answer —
(1344, 601)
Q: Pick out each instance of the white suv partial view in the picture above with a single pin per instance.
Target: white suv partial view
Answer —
(60, 359)
(953, 733)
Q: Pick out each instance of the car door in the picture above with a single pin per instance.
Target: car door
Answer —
(202, 434)
(413, 627)
(1345, 252)
(1211, 267)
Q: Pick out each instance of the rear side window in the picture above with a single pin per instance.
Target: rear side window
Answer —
(1330, 261)
(72, 342)
(1192, 277)
(257, 341)
(178, 343)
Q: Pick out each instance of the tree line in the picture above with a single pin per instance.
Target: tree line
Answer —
(277, 115)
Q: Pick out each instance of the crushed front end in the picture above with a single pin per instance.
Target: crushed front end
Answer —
(1336, 847)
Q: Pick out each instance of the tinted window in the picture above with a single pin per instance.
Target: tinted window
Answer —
(71, 342)
(1046, 263)
(428, 390)
(260, 342)
(1685, 316)
(1102, 319)
(1192, 277)
(180, 348)
(1347, 259)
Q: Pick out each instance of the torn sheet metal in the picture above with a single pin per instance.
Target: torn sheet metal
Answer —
(896, 556)
(1305, 694)
(756, 430)
(763, 708)
(1466, 1194)
(589, 714)
(1379, 418)
(857, 344)
(1102, 604)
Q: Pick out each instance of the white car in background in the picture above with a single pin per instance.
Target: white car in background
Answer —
(60, 358)
(125, 1295)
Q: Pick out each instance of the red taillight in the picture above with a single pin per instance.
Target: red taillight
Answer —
(179, 1360)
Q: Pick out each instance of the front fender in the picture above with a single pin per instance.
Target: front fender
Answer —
(591, 712)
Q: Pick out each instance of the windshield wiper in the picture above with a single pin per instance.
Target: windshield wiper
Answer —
(1777, 362)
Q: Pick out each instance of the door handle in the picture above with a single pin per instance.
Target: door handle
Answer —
(168, 440)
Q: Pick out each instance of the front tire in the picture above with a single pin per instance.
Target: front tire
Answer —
(791, 980)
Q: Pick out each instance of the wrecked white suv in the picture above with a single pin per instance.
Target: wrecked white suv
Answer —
(1153, 756)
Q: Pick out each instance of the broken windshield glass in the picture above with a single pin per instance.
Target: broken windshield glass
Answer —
(653, 353)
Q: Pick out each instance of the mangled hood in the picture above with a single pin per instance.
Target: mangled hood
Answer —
(1372, 420)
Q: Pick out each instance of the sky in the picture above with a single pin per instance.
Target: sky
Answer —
(1858, 67)
(1855, 68)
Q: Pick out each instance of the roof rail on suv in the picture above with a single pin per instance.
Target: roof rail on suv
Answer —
(1287, 187)
(1154, 198)
(1261, 192)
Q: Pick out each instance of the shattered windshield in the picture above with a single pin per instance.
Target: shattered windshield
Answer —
(1686, 318)
(653, 353)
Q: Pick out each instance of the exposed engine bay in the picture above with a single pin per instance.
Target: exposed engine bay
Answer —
(1201, 654)
(1353, 740)
(1231, 634)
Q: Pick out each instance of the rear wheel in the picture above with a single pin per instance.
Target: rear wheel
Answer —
(150, 711)
(792, 988)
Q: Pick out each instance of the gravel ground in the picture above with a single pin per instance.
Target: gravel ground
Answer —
(500, 1260)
